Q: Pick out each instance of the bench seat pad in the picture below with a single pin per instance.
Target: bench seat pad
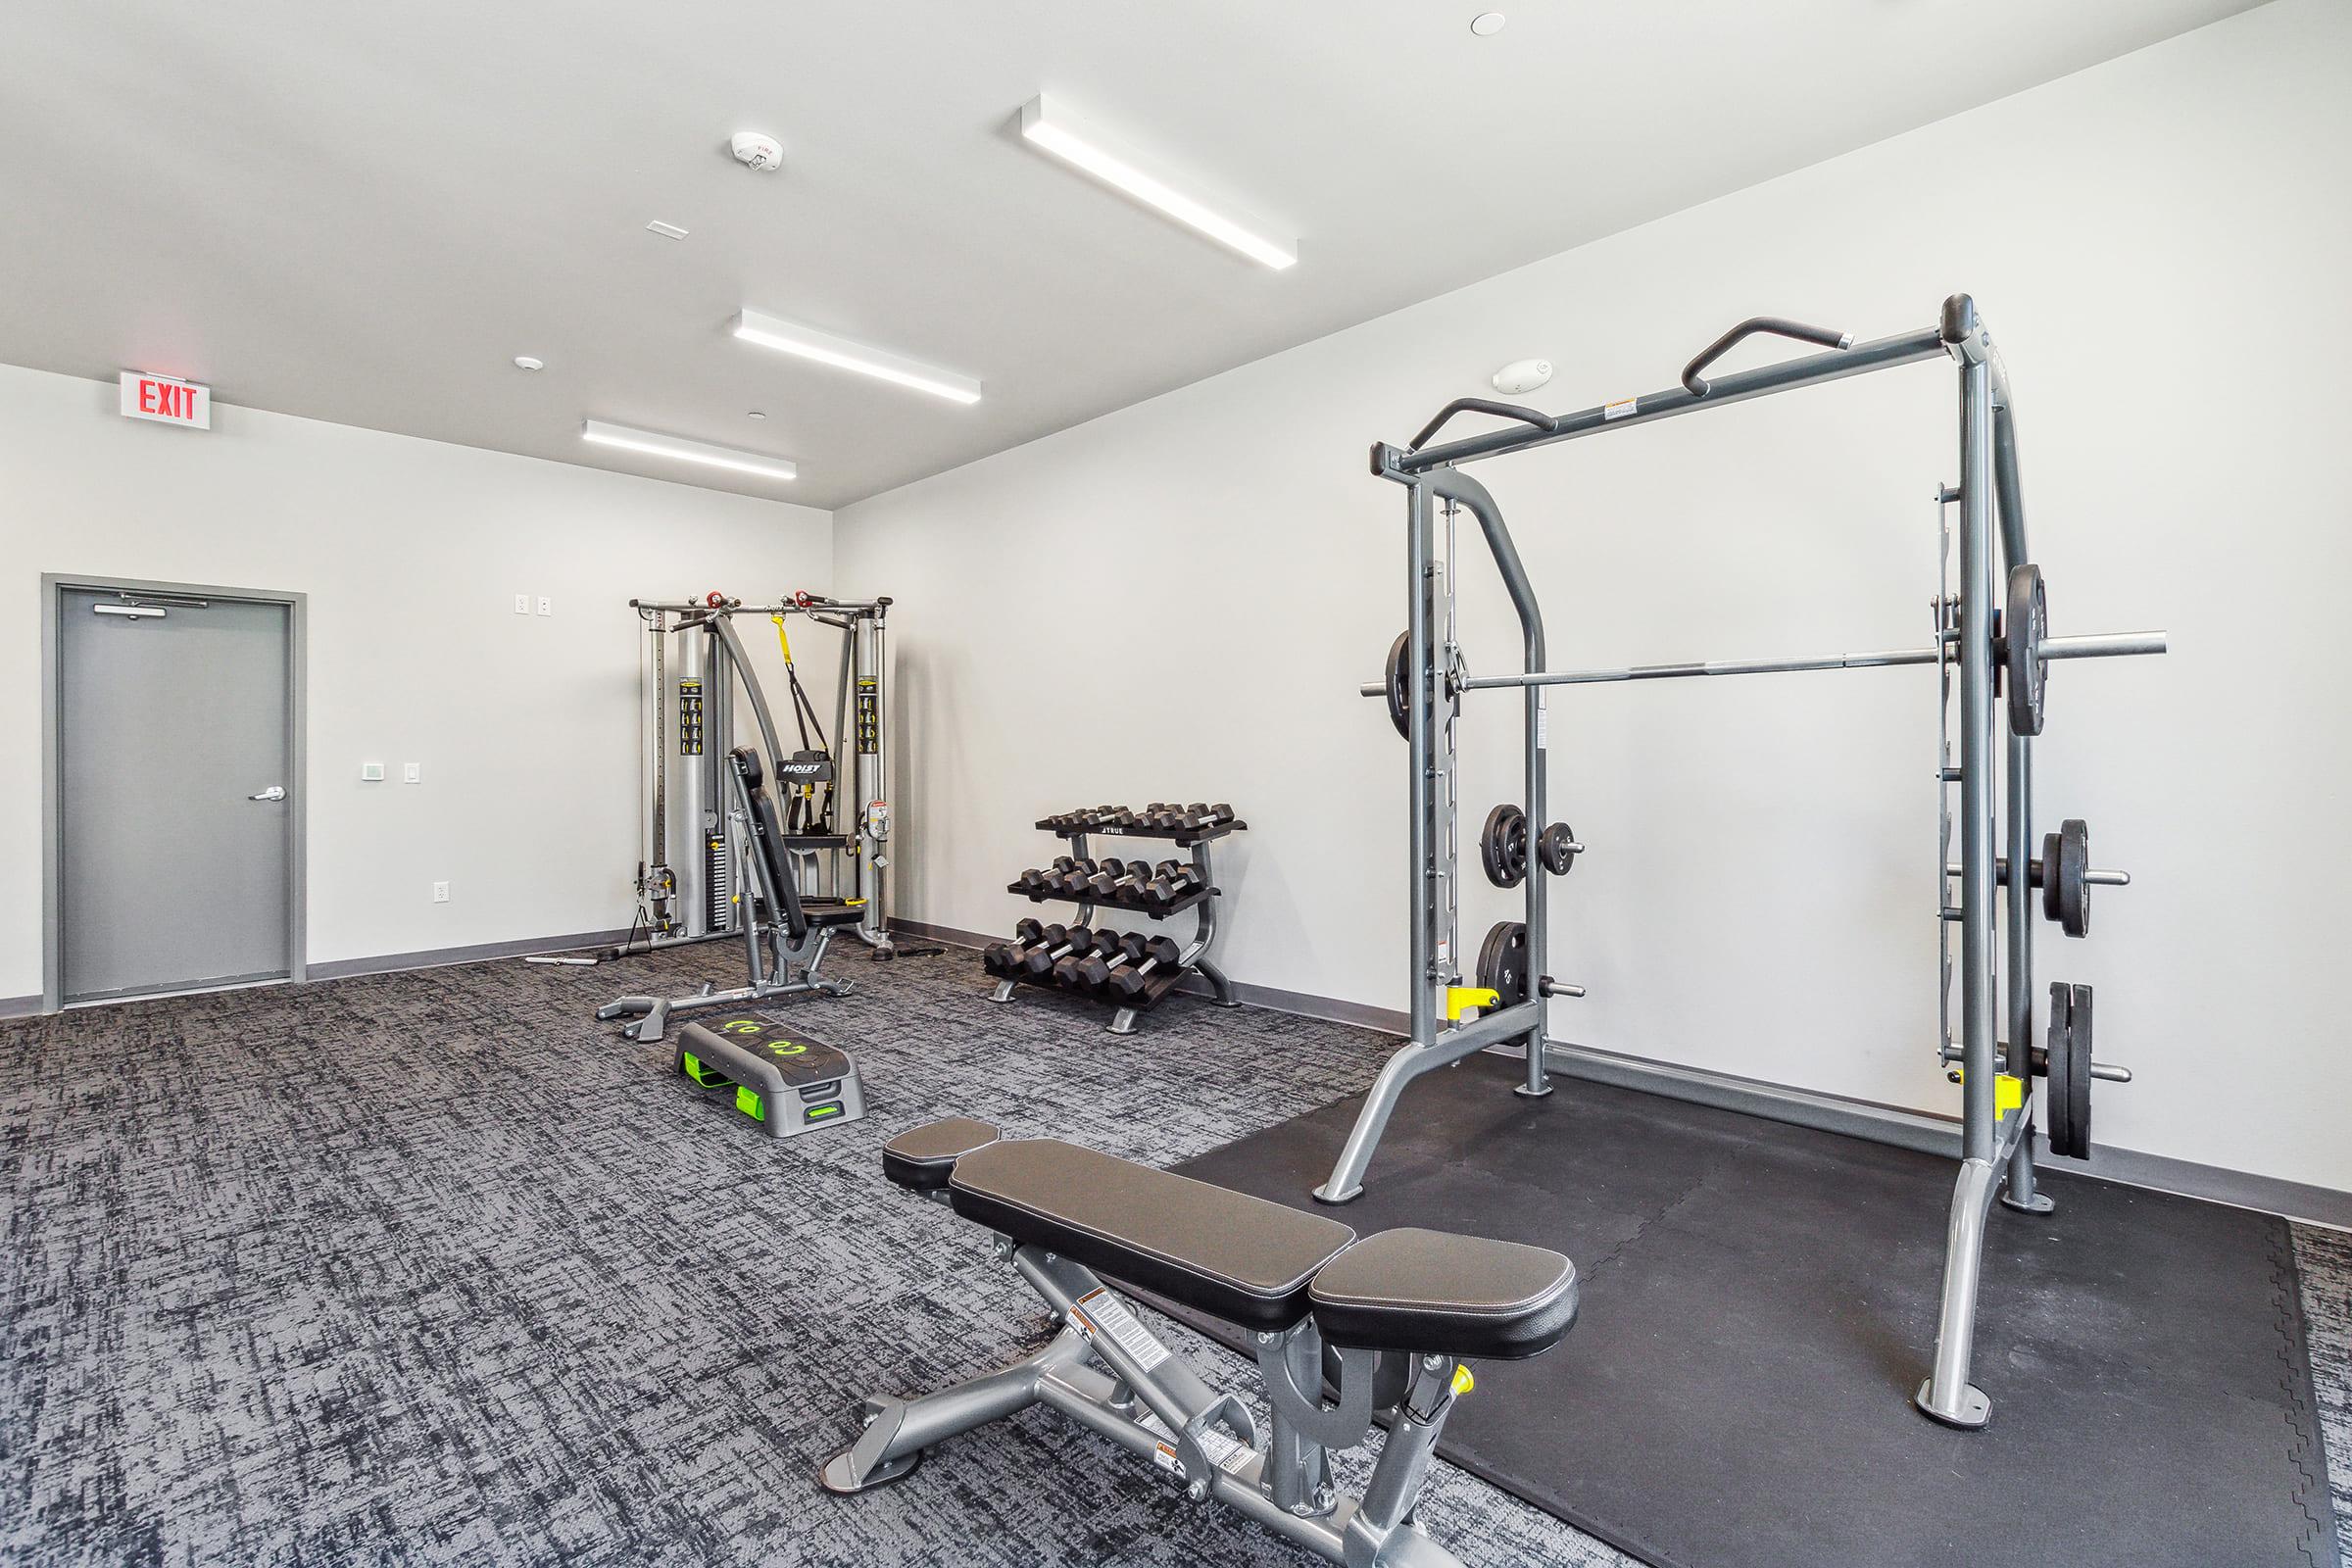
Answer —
(921, 1158)
(1432, 1293)
(1224, 1253)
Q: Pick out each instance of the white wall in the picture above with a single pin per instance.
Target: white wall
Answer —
(412, 553)
(1180, 599)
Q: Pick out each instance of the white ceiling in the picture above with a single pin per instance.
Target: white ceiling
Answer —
(362, 213)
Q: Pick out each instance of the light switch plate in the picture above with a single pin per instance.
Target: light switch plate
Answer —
(372, 773)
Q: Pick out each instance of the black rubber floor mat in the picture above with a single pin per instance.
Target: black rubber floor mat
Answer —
(1759, 1302)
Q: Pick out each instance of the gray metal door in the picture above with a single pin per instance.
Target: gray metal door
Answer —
(174, 823)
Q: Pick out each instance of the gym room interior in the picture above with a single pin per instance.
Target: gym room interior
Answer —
(1065, 784)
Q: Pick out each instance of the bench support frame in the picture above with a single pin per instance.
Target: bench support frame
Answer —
(1110, 1374)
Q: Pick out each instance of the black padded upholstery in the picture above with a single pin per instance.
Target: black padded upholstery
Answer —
(1223, 1253)
(1434, 1293)
(921, 1158)
(768, 842)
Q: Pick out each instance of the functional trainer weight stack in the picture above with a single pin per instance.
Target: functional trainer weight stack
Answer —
(1132, 974)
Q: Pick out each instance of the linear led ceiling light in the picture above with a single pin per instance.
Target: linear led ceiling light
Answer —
(671, 446)
(790, 337)
(1047, 124)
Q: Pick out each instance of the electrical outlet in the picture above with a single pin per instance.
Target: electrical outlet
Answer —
(522, 603)
(411, 772)
(440, 893)
(547, 606)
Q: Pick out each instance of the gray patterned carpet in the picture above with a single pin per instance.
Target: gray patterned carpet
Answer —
(430, 1269)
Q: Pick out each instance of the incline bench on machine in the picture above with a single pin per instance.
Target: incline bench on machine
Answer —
(1386, 1321)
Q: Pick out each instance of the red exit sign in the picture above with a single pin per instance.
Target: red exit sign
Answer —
(166, 399)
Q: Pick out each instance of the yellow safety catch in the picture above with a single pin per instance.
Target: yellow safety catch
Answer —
(2008, 1090)
(1463, 1382)
(1459, 998)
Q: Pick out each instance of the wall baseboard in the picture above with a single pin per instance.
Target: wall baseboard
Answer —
(1885, 1124)
(1941, 1135)
(382, 963)
(439, 957)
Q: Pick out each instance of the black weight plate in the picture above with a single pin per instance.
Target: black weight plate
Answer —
(1502, 962)
(2068, 875)
(1554, 850)
(2025, 623)
(1551, 849)
(2078, 1073)
(2055, 1106)
(1503, 846)
(1398, 662)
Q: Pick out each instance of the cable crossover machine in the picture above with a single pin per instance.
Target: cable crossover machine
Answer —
(820, 864)
(1991, 633)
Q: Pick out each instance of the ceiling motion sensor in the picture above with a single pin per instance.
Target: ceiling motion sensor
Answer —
(754, 150)
(1522, 375)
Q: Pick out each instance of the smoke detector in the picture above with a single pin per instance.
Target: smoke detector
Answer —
(754, 150)
(1523, 375)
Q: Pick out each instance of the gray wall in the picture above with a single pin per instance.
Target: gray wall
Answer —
(412, 553)
(1181, 597)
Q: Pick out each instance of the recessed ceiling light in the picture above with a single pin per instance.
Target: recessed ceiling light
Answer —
(671, 446)
(530, 361)
(790, 337)
(1055, 129)
(665, 230)
(1486, 24)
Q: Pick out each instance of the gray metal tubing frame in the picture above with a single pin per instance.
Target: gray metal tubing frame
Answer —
(777, 966)
(1993, 1146)
(1125, 1384)
(1193, 957)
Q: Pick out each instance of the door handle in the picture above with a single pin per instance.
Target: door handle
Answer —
(276, 791)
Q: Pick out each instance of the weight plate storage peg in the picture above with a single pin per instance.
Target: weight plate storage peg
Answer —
(2025, 625)
(2066, 876)
(1502, 961)
(1556, 849)
(1503, 846)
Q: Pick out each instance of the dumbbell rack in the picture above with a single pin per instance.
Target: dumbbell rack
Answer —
(1201, 901)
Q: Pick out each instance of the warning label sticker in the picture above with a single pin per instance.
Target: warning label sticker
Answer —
(1102, 1313)
(1223, 1452)
(1619, 410)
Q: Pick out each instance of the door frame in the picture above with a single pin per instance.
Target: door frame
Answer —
(53, 587)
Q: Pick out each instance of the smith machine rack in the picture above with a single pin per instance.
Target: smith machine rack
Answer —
(1993, 629)
(696, 668)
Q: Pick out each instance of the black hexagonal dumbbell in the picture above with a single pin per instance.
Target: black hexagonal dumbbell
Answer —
(1003, 958)
(1039, 962)
(1129, 982)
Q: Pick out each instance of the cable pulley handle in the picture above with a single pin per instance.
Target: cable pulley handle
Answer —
(1776, 325)
(1505, 410)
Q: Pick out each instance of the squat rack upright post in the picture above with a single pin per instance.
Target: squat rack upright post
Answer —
(1997, 1116)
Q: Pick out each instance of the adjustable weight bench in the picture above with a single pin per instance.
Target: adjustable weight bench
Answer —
(1343, 1330)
